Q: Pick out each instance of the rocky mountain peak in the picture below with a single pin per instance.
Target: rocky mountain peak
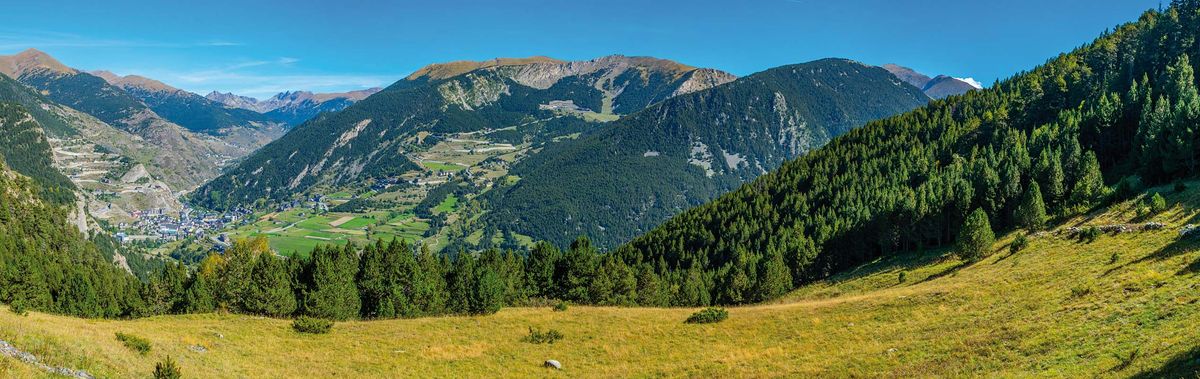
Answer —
(134, 82)
(31, 60)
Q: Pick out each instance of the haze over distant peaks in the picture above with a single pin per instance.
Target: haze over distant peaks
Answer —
(287, 99)
(936, 87)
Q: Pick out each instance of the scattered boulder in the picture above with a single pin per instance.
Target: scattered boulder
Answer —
(550, 363)
(198, 348)
(1189, 230)
(9, 350)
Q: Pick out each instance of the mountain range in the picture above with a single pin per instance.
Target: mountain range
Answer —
(530, 100)
(624, 179)
(293, 107)
(938, 87)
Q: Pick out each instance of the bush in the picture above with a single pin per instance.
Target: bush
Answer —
(902, 276)
(1179, 186)
(708, 315)
(536, 336)
(1082, 289)
(1157, 203)
(312, 325)
(135, 343)
(1089, 234)
(1128, 187)
(1018, 244)
(167, 369)
(560, 306)
(18, 308)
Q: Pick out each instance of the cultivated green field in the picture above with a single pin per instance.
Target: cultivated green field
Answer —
(449, 204)
(298, 231)
(439, 166)
(1125, 305)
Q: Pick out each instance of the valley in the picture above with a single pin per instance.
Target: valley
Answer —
(329, 209)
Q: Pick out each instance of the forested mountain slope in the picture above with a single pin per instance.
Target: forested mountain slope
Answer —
(194, 157)
(1121, 109)
(23, 142)
(530, 101)
(47, 264)
(624, 179)
(190, 110)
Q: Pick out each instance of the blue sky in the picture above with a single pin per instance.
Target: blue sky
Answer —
(259, 48)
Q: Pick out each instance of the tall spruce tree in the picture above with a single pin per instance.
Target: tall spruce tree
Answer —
(331, 292)
(270, 291)
(975, 239)
(1031, 212)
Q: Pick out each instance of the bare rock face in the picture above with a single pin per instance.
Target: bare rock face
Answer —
(543, 72)
(703, 79)
(235, 101)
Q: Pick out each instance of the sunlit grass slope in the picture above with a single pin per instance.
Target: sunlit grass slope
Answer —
(1124, 305)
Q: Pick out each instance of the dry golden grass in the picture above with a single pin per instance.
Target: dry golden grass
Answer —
(1057, 309)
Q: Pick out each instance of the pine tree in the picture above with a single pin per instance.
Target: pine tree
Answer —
(234, 271)
(166, 291)
(774, 278)
(576, 269)
(488, 292)
(372, 283)
(540, 269)
(650, 290)
(694, 288)
(614, 283)
(1031, 212)
(1089, 186)
(270, 291)
(331, 293)
(430, 292)
(200, 297)
(976, 237)
(462, 284)
(1181, 159)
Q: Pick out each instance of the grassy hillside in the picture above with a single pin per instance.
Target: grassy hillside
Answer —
(1060, 307)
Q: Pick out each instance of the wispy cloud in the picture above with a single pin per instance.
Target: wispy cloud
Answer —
(16, 40)
(972, 82)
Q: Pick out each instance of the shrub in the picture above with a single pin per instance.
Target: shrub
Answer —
(1179, 186)
(1157, 203)
(1018, 244)
(135, 343)
(902, 276)
(1114, 258)
(1082, 289)
(312, 325)
(167, 369)
(708, 315)
(536, 336)
(560, 306)
(1089, 234)
(1128, 187)
(18, 308)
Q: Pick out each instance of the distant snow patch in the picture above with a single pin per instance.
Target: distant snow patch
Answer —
(649, 153)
